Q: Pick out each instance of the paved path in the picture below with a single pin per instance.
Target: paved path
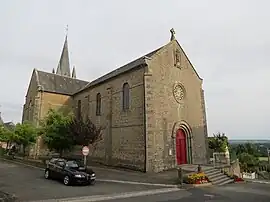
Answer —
(28, 184)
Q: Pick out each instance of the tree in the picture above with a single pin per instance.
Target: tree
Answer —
(85, 132)
(7, 136)
(219, 142)
(56, 133)
(25, 135)
(248, 161)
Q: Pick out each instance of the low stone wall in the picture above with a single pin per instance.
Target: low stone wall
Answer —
(233, 169)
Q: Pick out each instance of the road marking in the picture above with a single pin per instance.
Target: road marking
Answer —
(209, 195)
(138, 183)
(104, 180)
(258, 181)
(113, 196)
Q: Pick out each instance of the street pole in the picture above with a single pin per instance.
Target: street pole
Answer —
(84, 160)
(268, 152)
(180, 176)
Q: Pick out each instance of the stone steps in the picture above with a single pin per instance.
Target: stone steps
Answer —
(217, 177)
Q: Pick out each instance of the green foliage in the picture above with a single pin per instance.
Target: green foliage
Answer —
(7, 135)
(56, 133)
(247, 148)
(25, 134)
(219, 142)
(62, 132)
(85, 132)
(248, 159)
(249, 156)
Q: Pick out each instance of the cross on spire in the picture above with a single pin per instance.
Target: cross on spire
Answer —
(172, 34)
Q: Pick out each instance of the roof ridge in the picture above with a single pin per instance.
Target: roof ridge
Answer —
(59, 75)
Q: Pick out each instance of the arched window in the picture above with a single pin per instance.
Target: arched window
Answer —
(126, 96)
(98, 105)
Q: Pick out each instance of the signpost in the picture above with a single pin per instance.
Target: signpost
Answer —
(268, 154)
(85, 153)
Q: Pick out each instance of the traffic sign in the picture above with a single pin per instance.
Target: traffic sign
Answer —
(85, 151)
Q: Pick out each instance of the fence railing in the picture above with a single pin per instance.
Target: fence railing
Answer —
(220, 159)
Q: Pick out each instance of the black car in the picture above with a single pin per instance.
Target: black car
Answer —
(69, 171)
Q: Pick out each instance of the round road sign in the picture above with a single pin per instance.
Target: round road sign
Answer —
(85, 150)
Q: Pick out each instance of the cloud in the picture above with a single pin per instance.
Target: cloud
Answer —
(227, 41)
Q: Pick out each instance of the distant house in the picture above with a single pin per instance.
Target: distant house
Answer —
(1, 120)
(9, 125)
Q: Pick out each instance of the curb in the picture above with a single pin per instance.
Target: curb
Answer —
(259, 182)
(41, 167)
(202, 185)
(8, 197)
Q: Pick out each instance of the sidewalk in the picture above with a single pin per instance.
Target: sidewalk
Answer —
(115, 174)
(258, 181)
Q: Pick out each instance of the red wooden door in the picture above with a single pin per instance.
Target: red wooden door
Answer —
(181, 148)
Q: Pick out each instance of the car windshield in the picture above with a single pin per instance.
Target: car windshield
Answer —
(72, 164)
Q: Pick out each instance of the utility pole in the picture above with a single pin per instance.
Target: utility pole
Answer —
(268, 154)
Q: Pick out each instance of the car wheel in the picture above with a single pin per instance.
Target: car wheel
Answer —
(47, 174)
(93, 182)
(66, 180)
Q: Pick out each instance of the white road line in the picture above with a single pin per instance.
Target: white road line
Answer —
(113, 196)
(105, 180)
(258, 181)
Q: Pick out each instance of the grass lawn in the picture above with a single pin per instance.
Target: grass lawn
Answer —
(263, 158)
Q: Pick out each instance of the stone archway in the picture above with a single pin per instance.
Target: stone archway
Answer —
(182, 141)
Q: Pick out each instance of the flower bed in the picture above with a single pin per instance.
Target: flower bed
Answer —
(237, 179)
(197, 178)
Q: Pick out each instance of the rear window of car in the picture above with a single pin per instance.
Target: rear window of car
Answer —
(73, 164)
(53, 160)
(60, 163)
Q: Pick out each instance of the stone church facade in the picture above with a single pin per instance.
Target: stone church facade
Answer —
(153, 108)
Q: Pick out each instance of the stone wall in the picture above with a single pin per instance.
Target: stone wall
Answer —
(123, 141)
(165, 114)
(44, 101)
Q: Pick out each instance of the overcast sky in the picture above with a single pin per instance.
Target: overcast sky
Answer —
(227, 41)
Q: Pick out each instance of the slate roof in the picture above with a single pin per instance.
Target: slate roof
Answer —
(55, 83)
(121, 70)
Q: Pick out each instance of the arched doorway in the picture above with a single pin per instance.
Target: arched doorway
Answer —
(181, 147)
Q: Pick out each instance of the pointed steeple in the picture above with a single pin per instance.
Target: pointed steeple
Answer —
(63, 67)
(53, 71)
(73, 73)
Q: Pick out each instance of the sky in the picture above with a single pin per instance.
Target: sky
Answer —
(227, 42)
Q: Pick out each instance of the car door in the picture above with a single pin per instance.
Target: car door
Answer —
(59, 169)
(51, 167)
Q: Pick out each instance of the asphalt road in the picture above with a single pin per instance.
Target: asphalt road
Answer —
(249, 192)
(28, 184)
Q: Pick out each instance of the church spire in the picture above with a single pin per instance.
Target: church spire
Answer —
(73, 73)
(63, 67)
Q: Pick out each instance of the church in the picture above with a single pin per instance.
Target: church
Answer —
(153, 108)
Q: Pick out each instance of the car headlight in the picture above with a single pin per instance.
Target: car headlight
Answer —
(79, 176)
(93, 175)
